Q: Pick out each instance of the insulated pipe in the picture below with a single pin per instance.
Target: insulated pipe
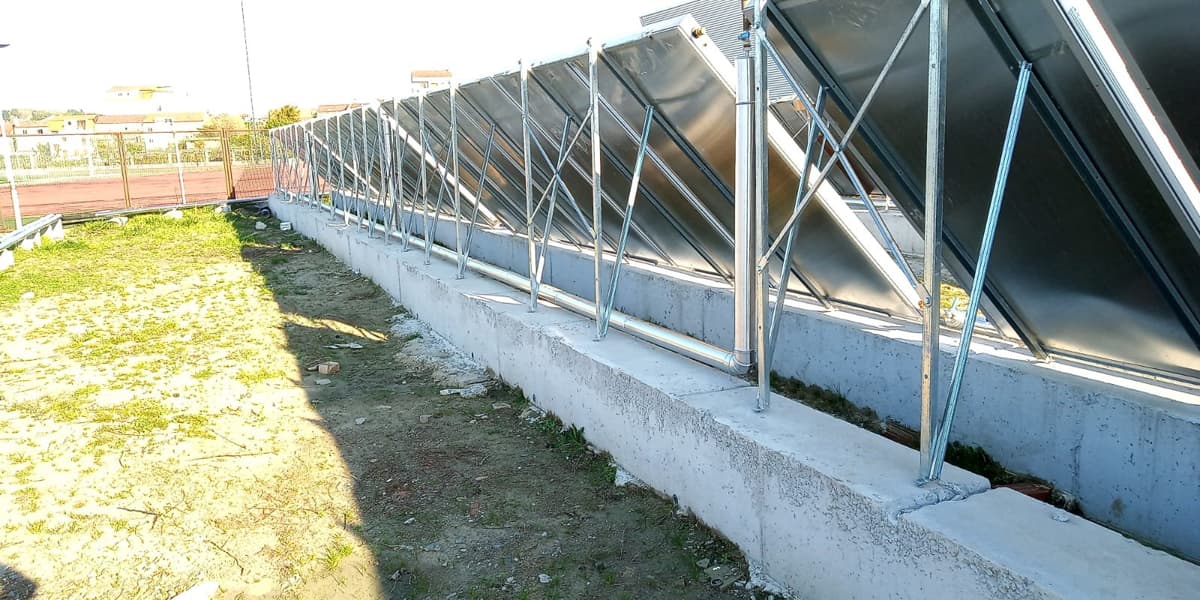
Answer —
(743, 229)
(662, 337)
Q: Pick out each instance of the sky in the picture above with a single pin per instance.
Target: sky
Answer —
(65, 53)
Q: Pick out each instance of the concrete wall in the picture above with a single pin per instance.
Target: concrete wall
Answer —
(822, 507)
(1128, 448)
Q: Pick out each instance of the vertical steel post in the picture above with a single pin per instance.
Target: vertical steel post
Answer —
(227, 163)
(761, 236)
(312, 170)
(942, 437)
(528, 165)
(178, 166)
(935, 139)
(454, 161)
(272, 140)
(597, 208)
(424, 177)
(122, 154)
(328, 165)
(743, 229)
(12, 181)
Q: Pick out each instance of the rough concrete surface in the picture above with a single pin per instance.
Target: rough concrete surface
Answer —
(824, 508)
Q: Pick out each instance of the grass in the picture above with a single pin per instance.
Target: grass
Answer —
(827, 401)
(69, 267)
(28, 499)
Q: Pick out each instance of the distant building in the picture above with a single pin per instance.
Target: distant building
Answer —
(138, 99)
(722, 21)
(429, 80)
(157, 129)
(330, 109)
(57, 133)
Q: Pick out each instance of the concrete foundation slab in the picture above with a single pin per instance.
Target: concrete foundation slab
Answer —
(826, 509)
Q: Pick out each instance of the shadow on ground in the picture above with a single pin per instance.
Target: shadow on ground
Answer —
(14, 585)
(462, 497)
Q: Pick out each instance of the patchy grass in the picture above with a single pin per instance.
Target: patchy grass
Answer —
(827, 401)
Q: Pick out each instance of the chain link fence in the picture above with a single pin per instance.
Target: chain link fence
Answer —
(86, 173)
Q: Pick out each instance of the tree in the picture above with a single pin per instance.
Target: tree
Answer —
(284, 115)
(225, 121)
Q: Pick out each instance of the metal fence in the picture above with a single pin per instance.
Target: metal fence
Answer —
(84, 173)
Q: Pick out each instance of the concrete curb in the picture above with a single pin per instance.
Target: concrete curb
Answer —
(826, 509)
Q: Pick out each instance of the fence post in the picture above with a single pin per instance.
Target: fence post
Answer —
(124, 168)
(227, 161)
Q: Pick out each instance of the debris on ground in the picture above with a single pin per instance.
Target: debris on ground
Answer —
(329, 367)
(360, 420)
(544, 578)
(501, 406)
(322, 381)
(260, 226)
(348, 345)
(119, 220)
(173, 214)
(425, 418)
(427, 350)
(285, 226)
(475, 390)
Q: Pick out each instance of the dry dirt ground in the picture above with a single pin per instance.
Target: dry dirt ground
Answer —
(159, 430)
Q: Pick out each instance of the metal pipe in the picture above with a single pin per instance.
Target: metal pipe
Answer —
(743, 223)
(8, 172)
(454, 161)
(985, 252)
(762, 274)
(659, 336)
(935, 139)
(597, 206)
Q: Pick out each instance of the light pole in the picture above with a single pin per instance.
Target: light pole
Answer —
(6, 150)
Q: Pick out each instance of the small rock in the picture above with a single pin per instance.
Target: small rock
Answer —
(200, 591)
(434, 547)
(27, 296)
(322, 381)
(360, 420)
(383, 407)
(119, 220)
(501, 406)
(395, 576)
(481, 478)
(410, 520)
(221, 209)
(702, 563)
(543, 578)
(425, 418)
(1060, 517)
(510, 580)
(173, 214)
(259, 225)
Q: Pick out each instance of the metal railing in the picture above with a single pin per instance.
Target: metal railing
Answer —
(83, 173)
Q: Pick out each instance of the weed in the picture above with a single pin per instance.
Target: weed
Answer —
(28, 499)
(38, 526)
(334, 555)
(25, 475)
